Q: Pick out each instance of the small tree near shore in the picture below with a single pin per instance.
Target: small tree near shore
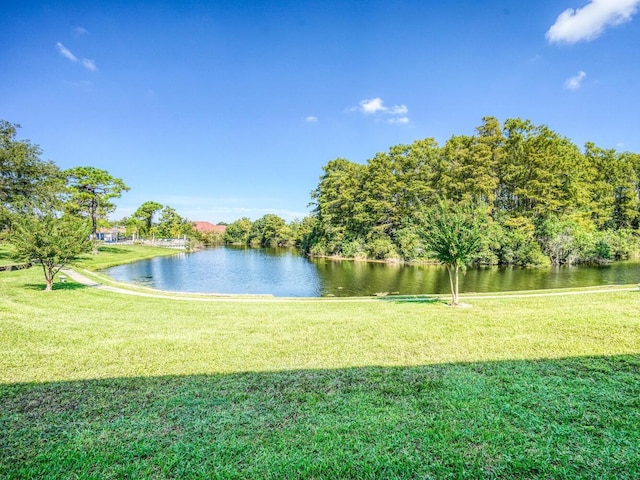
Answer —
(452, 233)
(51, 241)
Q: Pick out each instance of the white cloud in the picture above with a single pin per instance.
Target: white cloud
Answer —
(66, 53)
(80, 31)
(311, 119)
(574, 83)
(398, 110)
(376, 107)
(588, 22)
(398, 120)
(372, 105)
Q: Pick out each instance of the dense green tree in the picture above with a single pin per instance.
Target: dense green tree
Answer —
(457, 180)
(144, 216)
(614, 187)
(452, 233)
(269, 231)
(470, 164)
(337, 206)
(27, 182)
(172, 225)
(238, 232)
(50, 240)
(379, 200)
(542, 173)
(488, 153)
(404, 179)
(91, 192)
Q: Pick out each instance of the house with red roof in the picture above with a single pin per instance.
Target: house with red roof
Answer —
(206, 227)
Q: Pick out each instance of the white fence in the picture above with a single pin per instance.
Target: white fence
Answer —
(177, 243)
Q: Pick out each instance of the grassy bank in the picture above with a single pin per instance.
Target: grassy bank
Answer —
(100, 385)
(112, 255)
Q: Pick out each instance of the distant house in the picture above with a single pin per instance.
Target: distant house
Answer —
(111, 234)
(206, 227)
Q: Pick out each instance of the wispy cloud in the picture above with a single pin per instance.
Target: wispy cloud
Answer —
(66, 53)
(376, 107)
(589, 22)
(80, 31)
(89, 64)
(83, 85)
(85, 62)
(311, 119)
(575, 82)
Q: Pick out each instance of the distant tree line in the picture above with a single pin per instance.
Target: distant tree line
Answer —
(142, 223)
(269, 230)
(546, 200)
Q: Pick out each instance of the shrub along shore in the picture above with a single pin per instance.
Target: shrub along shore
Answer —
(95, 384)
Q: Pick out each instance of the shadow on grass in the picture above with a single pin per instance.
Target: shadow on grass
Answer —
(113, 249)
(56, 286)
(411, 299)
(568, 418)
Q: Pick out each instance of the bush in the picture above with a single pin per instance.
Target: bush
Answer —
(381, 248)
(408, 244)
(354, 249)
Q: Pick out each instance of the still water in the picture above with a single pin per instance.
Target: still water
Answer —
(286, 273)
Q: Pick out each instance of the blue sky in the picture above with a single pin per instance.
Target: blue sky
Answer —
(226, 109)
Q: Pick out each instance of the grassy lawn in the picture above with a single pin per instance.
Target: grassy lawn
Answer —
(95, 384)
(112, 255)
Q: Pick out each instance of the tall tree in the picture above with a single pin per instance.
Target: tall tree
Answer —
(416, 171)
(614, 187)
(172, 225)
(144, 214)
(453, 233)
(91, 192)
(336, 204)
(51, 240)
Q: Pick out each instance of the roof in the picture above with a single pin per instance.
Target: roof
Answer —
(204, 227)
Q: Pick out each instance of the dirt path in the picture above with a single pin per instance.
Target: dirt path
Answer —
(82, 279)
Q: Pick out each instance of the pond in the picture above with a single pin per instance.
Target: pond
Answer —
(284, 272)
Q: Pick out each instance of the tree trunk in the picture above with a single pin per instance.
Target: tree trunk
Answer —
(452, 285)
(47, 276)
(456, 299)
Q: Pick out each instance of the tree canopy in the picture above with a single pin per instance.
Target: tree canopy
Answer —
(51, 240)
(26, 181)
(91, 191)
(452, 233)
(525, 174)
(143, 216)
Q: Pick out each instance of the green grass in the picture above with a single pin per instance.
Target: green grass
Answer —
(112, 255)
(95, 384)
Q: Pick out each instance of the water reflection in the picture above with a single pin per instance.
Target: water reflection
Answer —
(284, 272)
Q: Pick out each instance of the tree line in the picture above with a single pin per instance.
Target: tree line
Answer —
(545, 199)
